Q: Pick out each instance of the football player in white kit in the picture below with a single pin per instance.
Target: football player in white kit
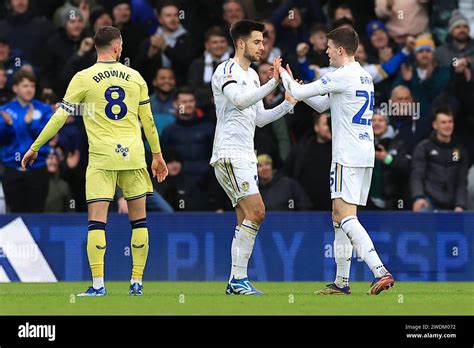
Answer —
(239, 108)
(349, 92)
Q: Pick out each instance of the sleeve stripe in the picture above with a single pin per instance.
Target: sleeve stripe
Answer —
(230, 69)
(225, 66)
(144, 102)
(228, 83)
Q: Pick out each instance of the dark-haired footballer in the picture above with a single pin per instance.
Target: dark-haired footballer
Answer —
(112, 98)
(349, 92)
(239, 108)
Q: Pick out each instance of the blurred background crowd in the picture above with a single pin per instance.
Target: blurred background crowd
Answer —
(420, 53)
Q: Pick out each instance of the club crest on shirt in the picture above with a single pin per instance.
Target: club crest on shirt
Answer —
(122, 150)
(245, 186)
(37, 114)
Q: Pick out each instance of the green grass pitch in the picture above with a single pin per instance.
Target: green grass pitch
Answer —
(208, 298)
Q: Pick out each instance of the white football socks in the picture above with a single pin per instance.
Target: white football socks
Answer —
(97, 282)
(342, 254)
(242, 247)
(233, 253)
(361, 241)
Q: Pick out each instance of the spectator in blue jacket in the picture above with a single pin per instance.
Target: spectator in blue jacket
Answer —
(191, 136)
(22, 121)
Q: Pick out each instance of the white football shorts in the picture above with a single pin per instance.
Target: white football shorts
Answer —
(352, 184)
(238, 178)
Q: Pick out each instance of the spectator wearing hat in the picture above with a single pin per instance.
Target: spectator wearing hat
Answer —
(439, 168)
(458, 50)
(11, 60)
(61, 47)
(403, 17)
(278, 191)
(170, 47)
(380, 47)
(85, 56)
(425, 79)
(389, 187)
(22, 121)
(309, 162)
(27, 31)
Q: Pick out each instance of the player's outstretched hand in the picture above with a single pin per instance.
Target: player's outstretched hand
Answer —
(29, 158)
(276, 68)
(158, 167)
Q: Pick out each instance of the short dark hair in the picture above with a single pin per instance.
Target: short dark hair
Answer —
(442, 109)
(22, 74)
(105, 35)
(162, 4)
(242, 29)
(213, 31)
(318, 27)
(184, 90)
(346, 38)
(342, 21)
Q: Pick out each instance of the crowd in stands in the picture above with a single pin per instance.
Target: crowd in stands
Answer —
(420, 54)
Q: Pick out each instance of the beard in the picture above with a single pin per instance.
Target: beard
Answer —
(462, 38)
(252, 58)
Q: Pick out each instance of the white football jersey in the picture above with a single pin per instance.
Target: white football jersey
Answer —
(235, 127)
(351, 101)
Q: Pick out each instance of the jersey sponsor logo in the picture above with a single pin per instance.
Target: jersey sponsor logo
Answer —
(123, 150)
(365, 136)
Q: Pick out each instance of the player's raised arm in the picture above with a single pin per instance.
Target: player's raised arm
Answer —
(158, 166)
(327, 84)
(242, 98)
(69, 106)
